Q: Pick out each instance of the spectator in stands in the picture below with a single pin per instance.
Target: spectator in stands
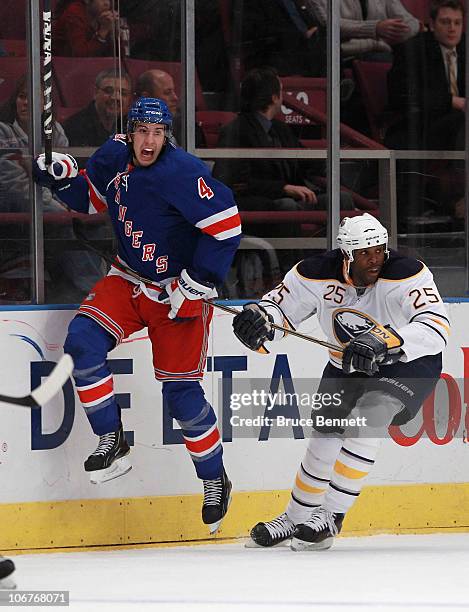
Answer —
(80, 269)
(427, 87)
(155, 27)
(279, 34)
(159, 84)
(104, 115)
(368, 28)
(427, 84)
(84, 28)
(267, 184)
(14, 167)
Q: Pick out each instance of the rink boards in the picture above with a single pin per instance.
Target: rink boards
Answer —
(419, 482)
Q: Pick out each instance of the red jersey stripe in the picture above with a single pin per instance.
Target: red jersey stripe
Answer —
(95, 200)
(223, 225)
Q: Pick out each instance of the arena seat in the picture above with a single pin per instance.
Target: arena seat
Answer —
(14, 46)
(13, 19)
(75, 77)
(62, 113)
(419, 9)
(373, 85)
(136, 67)
(11, 70)
(211, 122)
(349, 137)
(311, 91)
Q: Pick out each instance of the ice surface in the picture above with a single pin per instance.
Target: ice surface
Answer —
(410, 572)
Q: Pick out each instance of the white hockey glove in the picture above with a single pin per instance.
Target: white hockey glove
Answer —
(378, 346)
(185, 295)
(64, 167)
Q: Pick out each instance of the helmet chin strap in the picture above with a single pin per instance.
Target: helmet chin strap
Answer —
(347, 275)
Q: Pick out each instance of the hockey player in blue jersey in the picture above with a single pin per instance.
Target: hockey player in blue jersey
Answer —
(177, 230)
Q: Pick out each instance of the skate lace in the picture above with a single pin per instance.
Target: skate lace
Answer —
(212, 492)
(280, 527)
(321, 519)
(106, 442)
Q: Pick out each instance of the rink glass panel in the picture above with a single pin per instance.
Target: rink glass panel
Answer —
(420, 200)
(276, 233)
(15, 159)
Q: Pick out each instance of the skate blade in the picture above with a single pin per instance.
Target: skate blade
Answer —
(118, 468)
(300, 545)
(213, 527)
(251, 544)
(7, 583)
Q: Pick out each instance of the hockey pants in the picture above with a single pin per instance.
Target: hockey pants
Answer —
(89, 344)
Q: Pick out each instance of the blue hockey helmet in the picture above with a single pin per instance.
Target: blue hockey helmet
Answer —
(149, 110)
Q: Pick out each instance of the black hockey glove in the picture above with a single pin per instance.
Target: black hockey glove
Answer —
(365, 353)
(63, 168)
(252, 327)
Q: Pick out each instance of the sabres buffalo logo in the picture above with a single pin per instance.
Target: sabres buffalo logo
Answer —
(349, 324)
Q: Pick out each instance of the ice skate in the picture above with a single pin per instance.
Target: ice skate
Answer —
(217, 498)
(319, 531)
(7, 567)
(271, 533)
(109, 460)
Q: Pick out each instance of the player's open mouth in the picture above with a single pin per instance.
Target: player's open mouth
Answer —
(147, 153)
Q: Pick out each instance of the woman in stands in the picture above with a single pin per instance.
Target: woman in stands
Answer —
(67, 266)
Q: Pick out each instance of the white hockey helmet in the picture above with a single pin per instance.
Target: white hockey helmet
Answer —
(361, 233)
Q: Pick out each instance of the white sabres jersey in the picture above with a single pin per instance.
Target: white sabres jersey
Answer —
(404, 296)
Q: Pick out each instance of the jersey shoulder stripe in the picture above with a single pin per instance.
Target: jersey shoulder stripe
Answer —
(398, 267)
(322, 267)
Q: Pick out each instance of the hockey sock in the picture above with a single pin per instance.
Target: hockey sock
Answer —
(358, 453)
(88, 344)
(313, 476)
(355, 460)
(187, 404)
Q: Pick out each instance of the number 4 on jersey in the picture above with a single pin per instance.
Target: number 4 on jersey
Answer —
(204, 189)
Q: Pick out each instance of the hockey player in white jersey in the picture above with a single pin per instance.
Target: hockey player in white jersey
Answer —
(385, 310)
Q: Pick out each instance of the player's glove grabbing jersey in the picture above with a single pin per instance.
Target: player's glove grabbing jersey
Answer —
(404, 297)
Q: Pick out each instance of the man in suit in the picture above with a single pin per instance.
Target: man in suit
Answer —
(265, 184)
(426, 84)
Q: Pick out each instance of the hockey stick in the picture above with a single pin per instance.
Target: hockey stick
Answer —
(79, 234)
(292, 332)
(47, 48)
(50, 387)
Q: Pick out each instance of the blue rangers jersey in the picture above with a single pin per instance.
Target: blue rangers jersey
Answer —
(168, 216)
